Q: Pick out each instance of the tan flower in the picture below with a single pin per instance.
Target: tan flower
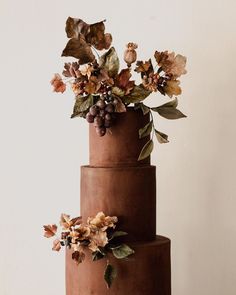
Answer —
(130, 54)
(172, 88)
(102, 222)
(58, 84)
(80, 233)
(98, 239)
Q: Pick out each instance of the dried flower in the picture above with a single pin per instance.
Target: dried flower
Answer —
(102, 222)
(130, 54)
(172, 65)
(58, 84)
(172, 88)
(78, 256)
(56, 245)
(98, 239)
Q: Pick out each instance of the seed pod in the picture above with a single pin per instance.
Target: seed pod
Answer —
(130, 55)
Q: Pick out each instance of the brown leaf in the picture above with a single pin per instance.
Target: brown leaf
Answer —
(78, 256)
(76, 221)
(58, 84)
(50, 230)
(93, 34)
(76, 26)
(65, 221)
(123, 81)
(56, 245)
(142, 67)
(78, 48)
(120, 107)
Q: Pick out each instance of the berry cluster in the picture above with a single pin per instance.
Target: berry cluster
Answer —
(102, 114)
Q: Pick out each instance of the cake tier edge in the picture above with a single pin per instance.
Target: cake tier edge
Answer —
(146, 272)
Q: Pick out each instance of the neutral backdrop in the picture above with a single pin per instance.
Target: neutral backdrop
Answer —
(42, 149)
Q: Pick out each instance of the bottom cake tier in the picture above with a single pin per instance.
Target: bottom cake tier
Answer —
(147, 272)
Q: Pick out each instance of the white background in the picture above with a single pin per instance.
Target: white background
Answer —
(42, 149)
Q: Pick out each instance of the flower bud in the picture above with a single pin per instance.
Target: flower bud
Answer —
(130, 54)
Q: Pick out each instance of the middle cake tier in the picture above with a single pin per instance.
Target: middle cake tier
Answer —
(126, 192)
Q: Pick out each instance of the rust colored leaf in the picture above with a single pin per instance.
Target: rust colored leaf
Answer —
(120, 107)
(50, 230)
(78, 48)
(123, 81)
(58, 84)
(78, 256)
(56, 245)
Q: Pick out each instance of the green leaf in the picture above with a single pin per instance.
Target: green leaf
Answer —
(161, 137)
(146, 150)
(169, 113)
(169, 110)
(138, 94)
(146, 130)
(118, 234)
(97, 255)
(109, 275)
(122, 251)
(118, 91)
(110, 62)
(144, 108)
(82, 104)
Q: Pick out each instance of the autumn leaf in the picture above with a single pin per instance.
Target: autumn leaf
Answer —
(144, 67)
(119, 106)
(78, 256)
(58, 84)
(83, 36)
(50, 230)
(56, 245)
(138, 94)
(65, 221)
(110, 62)
(123, 81)
(161, 137)
(146, 150)
(78, 48)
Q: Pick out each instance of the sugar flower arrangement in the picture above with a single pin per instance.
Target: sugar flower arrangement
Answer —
(102, 90)
(98, 235)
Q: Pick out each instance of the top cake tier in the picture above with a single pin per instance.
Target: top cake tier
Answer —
(121, 145)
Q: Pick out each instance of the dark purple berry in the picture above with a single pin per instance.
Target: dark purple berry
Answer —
(98, 121)
(108, 117)
(110, 108)
(102, 113)
(107, 123)
(89, 118)
(93, 110)
(101, 104)
(101, 131)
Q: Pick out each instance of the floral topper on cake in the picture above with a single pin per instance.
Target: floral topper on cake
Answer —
(98, 235)
(102, 90)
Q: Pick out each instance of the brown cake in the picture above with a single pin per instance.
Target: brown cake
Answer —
(116, 183)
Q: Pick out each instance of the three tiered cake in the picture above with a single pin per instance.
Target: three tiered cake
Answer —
(117, 184)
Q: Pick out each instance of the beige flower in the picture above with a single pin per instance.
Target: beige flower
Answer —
(150, 82)
(172, 65)
(102, 222)
(98, 239)
(130, 54)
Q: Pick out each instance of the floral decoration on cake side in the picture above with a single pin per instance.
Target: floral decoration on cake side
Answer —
(98, 235)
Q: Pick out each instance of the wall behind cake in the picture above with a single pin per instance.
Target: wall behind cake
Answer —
(42, 148)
